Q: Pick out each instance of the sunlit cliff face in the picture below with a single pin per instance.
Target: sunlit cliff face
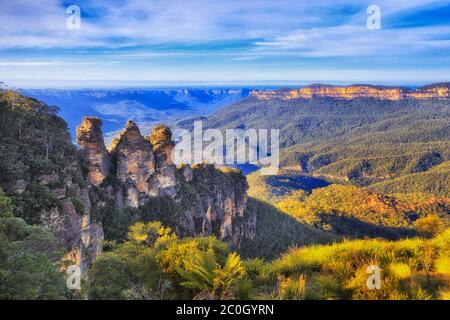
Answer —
(355, 91)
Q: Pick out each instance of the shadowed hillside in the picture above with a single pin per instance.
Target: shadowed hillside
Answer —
(277, 232)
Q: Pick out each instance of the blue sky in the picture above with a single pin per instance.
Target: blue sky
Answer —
(232, 41)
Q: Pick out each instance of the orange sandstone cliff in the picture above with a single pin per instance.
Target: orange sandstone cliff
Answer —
(438, 91)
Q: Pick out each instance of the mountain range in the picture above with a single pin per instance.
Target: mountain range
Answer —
(363, 140)
(144, 106)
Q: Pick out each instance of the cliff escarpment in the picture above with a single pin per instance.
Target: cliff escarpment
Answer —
(137, 175)
(41, 173)
(436, 91)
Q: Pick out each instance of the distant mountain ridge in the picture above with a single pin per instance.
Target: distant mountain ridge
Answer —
(436, 90)
(145, 106)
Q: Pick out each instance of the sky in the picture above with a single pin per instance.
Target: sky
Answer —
(144, 42)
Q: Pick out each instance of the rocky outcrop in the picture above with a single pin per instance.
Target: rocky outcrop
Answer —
(75, 231)
(203, 200)
(218, 197)
(134, 162)
(93, 150)
(71, 222)
(438, 91)
(164, 182)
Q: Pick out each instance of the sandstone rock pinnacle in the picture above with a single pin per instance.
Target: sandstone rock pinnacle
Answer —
(92, 147)
(134, 160)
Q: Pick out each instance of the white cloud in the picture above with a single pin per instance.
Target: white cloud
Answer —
(205, 40)
(352, 40)
(29, 23)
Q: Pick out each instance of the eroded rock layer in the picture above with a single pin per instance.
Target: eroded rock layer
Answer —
(437, 91)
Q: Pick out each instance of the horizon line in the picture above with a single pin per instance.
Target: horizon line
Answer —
(56, 84)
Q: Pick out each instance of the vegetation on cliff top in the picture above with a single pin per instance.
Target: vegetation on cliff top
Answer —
(415, 269)
(36, 155)
(154, 264)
